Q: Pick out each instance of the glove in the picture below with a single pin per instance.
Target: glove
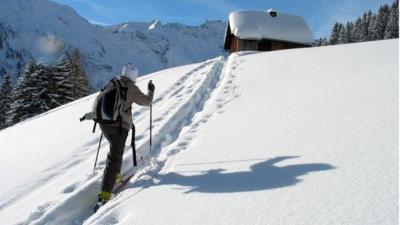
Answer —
(150, 86)
(87, 116)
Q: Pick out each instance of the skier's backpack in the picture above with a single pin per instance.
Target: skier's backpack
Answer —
(108, 105)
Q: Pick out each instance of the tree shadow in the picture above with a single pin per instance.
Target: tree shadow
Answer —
(262, 176)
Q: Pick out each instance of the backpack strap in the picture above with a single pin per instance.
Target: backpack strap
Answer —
(122, 92)
(120, 126)
(123, 89)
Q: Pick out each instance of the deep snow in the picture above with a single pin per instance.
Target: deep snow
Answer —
(257, 25)
(304, 136)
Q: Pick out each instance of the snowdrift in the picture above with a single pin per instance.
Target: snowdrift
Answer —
(305, 136)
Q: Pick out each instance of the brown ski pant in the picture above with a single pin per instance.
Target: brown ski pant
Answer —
(116, 136)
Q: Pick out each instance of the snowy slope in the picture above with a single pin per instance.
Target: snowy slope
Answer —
(305, 136)
(43, 30)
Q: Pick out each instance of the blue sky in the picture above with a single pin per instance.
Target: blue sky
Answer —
(319, 14)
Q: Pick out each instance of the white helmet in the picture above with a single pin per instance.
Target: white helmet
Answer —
(130, 71)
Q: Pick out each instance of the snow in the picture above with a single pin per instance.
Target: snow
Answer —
(303, 136)
(257, 25)
(105, 49)
(155, 25)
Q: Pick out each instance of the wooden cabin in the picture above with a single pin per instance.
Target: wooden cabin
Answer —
(265, 31)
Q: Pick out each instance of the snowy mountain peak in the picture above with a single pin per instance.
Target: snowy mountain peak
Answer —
(155, 25)
(26, 25)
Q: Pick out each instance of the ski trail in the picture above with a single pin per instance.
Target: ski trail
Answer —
(217, 92)
(73, 206)
(180, 115)
(224, 90)
(170, 133)
(176, 88)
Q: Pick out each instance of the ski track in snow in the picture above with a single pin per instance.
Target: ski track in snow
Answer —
(184, 99)
(191, 112)
(220, 89)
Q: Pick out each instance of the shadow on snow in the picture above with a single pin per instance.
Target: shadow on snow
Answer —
(262, 176)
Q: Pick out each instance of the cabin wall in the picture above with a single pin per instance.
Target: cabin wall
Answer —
(234, 45)
(248, 45)
(261, 45)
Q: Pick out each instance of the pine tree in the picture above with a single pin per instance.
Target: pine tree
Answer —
(369, 27)
(334, 37)
(62, 88)
(392, 27)
(41, 88)
(347, 32)
(23, 105)
(342, 34)
(5, 99)
(357, 30)
(79, 77)
(382, 20)
(369, 20)
(364, 28)
(71, 81)
(40, 92)
(31, 95)
(372, 32)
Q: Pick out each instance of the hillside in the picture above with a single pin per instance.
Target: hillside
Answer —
(304, 136)
(42, 30)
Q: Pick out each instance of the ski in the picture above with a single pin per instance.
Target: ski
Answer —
(121, 185)
(118, 187)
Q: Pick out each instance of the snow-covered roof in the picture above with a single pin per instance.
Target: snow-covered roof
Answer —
(257, 25)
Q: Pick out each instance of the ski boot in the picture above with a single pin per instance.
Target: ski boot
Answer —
(119, 178)
(104, 197)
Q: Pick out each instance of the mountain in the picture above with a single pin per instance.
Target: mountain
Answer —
(302, 136)
(42, 30)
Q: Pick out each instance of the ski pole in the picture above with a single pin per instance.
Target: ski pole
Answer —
(151, 123)
(97, 155)
(133, 146)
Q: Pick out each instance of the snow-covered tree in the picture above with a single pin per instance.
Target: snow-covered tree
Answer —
(364, 27)
(71, 81)
(5, 99)
(31, 96)
(41, 88)
(62, 91)
(342, 34)
(357, 29)
(347, 32)
(320, 42)
(382, 20)
(42, 76)
(369, 27)
(23, 105)
(372, 32)
(78, 76)
(334, 37)
(392, 27)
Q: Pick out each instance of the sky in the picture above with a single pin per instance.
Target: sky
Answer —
(319, 14)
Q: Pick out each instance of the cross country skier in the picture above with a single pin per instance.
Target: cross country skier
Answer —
(117, 133)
